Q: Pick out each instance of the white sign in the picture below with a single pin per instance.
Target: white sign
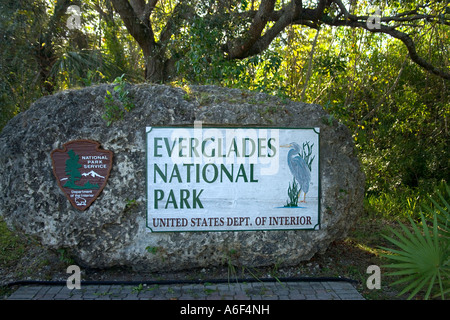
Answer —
(230, 179)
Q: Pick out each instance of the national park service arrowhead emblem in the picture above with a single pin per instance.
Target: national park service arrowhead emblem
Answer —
(81, 169)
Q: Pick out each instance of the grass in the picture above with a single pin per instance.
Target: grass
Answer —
(12, 248)
(23, 258)
(293, 194)
(401, 203)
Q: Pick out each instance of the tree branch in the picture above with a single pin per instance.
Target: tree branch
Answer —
(385, 96)
(140, 31)
(409, 43)
(284, 17)
(238, 48)
(181, 11)
(138, 7)
(403, 37)
(321, 8)
(151, 4)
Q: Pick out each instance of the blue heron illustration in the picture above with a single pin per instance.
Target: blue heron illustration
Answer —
(300, 165)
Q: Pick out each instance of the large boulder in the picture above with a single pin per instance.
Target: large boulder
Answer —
(112, 231)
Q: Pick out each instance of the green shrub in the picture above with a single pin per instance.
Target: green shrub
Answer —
(422, 256)
(114, 108)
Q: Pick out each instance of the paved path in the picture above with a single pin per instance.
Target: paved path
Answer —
(327, 290)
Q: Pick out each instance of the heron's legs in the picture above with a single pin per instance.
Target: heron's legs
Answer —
(304, 197)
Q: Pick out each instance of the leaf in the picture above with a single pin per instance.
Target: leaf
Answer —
(421, 258)
(417, 285)
(405, 245)
(427, 295)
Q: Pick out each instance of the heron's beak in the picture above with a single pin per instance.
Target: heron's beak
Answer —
(286, 146)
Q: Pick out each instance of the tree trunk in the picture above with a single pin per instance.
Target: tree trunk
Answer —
(140, 28)
(156, 65)
(310, 62)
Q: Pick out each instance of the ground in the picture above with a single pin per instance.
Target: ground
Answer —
(23, 259)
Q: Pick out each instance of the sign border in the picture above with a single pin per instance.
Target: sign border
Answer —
(148, 129)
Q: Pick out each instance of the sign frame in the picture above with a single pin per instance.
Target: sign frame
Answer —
(95, 183)
(316, 130)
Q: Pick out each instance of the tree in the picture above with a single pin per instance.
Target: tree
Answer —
(45, 46)
(249, 27)
(20, 23)
(74, 174)
(72, 171)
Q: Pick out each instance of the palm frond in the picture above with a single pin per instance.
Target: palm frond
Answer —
(74, 66)
(421, 258)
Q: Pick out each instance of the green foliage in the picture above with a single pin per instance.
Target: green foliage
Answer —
(138, 288)
(442, 209)
(130, 203)
(293, 194)
(152, 250)
(422, 256)
(157, 251)
(83, 68)
(396, 204)
(40, 55)
(12, 247)
(65, 257)
(113, 111)
(115, 107)
(20, 22)
(203, 61)
(230, 257)
(123, 93)
(305, 154)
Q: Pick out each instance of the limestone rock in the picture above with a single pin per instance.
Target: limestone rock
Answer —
(112, 231)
